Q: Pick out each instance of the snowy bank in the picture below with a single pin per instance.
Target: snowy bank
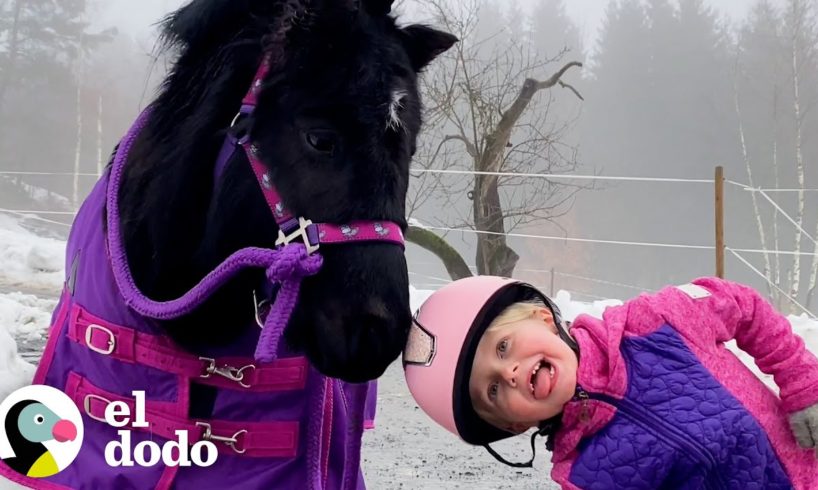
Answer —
(28, 261)
(31, 263)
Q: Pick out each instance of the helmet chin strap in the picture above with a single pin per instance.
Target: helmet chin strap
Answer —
(530, 463)
(566, 337)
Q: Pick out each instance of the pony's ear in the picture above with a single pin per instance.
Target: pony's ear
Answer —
(205, 22)
(424, 44)
(378, 7)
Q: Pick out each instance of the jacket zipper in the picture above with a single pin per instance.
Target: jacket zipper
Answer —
(649, 421)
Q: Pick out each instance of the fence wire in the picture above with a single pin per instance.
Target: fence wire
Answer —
(39, 215)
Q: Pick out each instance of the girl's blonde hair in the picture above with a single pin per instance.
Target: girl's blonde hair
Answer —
(515, 312)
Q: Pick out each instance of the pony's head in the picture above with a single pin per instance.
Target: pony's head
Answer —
(336, 123)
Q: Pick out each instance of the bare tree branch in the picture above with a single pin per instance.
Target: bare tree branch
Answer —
(556, 76)
(470, 148)
(571, 88)
(452, 260)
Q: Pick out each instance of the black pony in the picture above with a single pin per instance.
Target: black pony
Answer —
(336, 123)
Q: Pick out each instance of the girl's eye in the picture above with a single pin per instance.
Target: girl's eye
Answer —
(493, 391)
(502, 347)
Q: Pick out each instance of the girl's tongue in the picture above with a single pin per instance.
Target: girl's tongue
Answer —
(543, 382)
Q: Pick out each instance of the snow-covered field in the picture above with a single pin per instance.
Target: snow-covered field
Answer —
(29, 262)
(405, 451)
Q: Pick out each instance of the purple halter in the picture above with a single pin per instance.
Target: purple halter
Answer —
(299, 239)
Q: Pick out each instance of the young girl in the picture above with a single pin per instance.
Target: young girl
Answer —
(647, 398)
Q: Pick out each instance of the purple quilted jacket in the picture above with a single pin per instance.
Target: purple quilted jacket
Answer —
(662, 403)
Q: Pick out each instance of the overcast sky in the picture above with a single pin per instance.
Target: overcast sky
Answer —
(587, 14)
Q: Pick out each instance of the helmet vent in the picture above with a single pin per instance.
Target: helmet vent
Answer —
(421, 346)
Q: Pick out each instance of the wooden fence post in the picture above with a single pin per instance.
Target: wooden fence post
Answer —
(552, 283)
(719, 222)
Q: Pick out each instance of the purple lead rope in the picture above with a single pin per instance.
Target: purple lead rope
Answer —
(287, 265)
(315, 431)
(355, 433)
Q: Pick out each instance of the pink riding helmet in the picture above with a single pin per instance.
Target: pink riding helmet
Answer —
(442, 342)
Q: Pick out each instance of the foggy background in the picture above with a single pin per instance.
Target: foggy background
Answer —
(670, 90)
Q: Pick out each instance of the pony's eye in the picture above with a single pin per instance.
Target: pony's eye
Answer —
(321, 141)
(39, 419)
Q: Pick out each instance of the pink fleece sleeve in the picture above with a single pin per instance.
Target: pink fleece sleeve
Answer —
(738, 312)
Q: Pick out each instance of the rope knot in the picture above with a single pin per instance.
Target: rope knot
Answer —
(289, 266)
(293, 263)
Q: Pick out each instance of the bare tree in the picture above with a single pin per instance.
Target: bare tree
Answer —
(9, 71)
(789, 39)
(806, 30)
(777, 183)
(78, 147)
(797, 26)
(100, 163)
(768, 271)
(487, 114)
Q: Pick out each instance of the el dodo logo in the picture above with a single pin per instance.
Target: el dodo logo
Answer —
(42, 435)
(41, 431)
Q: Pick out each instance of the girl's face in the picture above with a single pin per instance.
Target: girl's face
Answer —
(522, 373)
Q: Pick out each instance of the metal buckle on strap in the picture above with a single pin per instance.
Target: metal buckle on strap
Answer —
(229, 372)
(86, 404)
(236, 119)
(257, 305)
(300, 232)
(89, 331)
(232, 442)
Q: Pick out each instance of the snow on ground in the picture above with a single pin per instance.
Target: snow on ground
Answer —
(416, 222)
(32, 264)
(39, 195)
(14, 371)
(417, 297)
(25, 316)
(28, 261)
(405, 451)
(24, 319)
(571, 309)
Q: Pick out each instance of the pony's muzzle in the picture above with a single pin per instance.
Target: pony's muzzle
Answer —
(364, 343)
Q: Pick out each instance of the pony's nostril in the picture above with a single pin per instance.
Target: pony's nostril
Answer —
(370, 341)
(373, 335)
(373, 354)
(377, 309)
(375, 323)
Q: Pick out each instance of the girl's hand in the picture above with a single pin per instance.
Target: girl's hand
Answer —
(804, 425)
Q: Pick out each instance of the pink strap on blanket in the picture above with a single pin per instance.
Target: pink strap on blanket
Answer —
(54, 331)
(159, 352)
(251, 439)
